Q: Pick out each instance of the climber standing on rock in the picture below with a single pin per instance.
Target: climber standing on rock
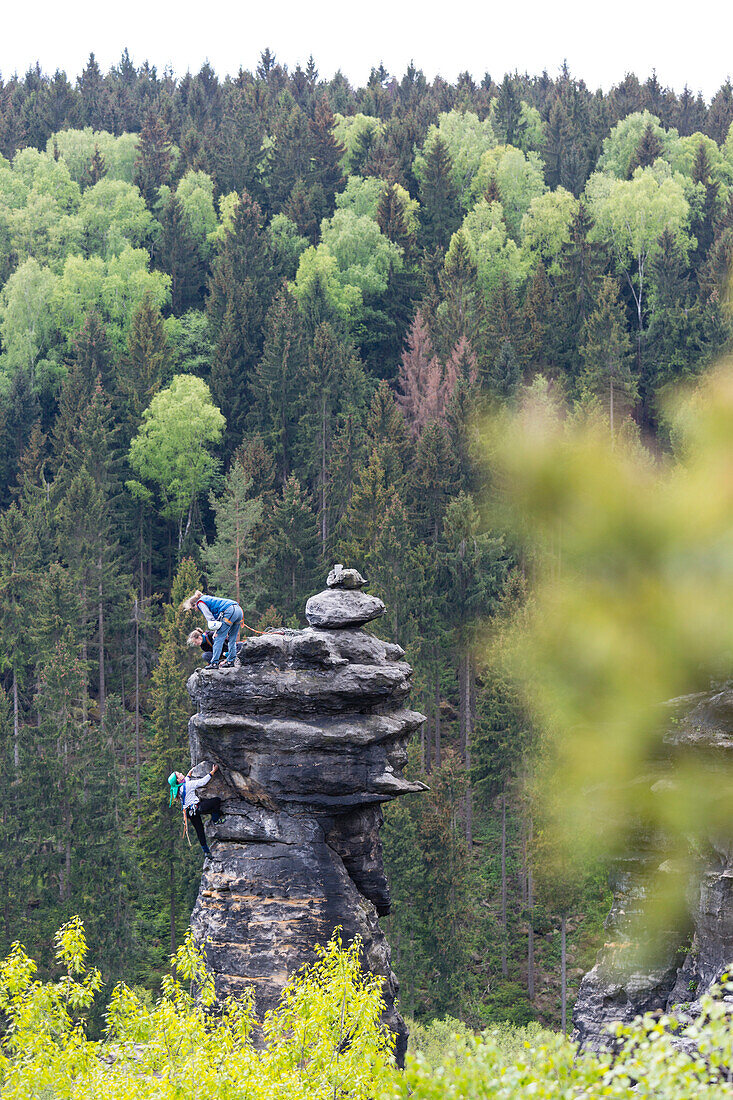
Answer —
(184, 787)
(222, 615)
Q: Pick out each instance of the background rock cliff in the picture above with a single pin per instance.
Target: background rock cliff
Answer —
(309, 731)
(696, 950)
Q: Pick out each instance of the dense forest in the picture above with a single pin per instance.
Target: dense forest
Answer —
(248, 327)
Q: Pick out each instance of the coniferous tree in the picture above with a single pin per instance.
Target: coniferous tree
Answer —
(386, 433)
(304, 207)
(392, 220)
(144, 367)
(237, 155)
(508, 112)
(231, 562)
(434, 480)
(459, 313)
(154, 156)
(647, 151)
(420, 378)
(293, 550)
(326, 153)
(440, 214)
(538, 313)
(165, 854)
(178, 254)
(240, 289)
(703, 223)
(507, 338)
(278, 379)
(605, 353)
(93, 96)
(97, 166)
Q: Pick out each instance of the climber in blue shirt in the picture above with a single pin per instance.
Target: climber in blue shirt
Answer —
(222, 615)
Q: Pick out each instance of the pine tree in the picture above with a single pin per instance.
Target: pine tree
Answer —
(93, 96)
(508, 112)
(605, 353)
(144, 367)
(328, 365)
(538, 313)
(97, 166)
(17, 558)
(278, 379)
(154, 157)
(293, 549)
(459, 313)
(646, 152)
(420, 378)
(438, 196)
(505, 372)
(238, 154)
(703, 222)
(166, 860)
(240, 290)
(91, 363)
(231, 559)
(177, 253)
(326, 153)
(305, 208)
(392, 220)
(386, 433)
(576, 288)
(507, 339)
(434, 481)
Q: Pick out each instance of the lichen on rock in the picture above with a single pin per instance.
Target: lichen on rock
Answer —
(309, 731)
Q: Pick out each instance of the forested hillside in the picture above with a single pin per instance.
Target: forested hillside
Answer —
(247, 328)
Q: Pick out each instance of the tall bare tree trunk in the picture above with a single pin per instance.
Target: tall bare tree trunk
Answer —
(324, 524)
(236, 557)
(137, 710)
(563, 973)
(16, 726)
(437, 716)
(468, 734)
(504, 964)
(100, 616)
(428, 742)
(530, 917)
(84, 656)
(173, 902)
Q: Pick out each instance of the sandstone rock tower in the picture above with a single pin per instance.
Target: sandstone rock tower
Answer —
(309, 731)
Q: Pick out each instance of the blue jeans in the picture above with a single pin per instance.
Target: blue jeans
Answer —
(228, 631)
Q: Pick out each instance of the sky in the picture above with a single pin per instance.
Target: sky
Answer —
(600, 42)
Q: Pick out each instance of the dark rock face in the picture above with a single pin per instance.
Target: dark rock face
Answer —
(340, 607)
(309, 731)
(693, 958)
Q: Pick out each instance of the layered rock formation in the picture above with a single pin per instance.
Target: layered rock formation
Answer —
(695, 956)
(309, 731)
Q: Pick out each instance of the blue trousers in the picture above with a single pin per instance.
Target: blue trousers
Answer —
(228, 631)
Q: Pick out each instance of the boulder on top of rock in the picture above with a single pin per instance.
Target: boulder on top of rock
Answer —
(336, 608)
(345, 578)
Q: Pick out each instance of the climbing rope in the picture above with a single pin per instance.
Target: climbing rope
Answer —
(270, 630)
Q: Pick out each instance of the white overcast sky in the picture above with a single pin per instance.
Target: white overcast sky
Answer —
(690, 43)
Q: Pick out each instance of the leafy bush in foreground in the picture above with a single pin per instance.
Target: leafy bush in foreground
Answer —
(324, 1040)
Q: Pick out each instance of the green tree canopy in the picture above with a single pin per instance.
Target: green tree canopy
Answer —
(173, 447)
(519, 178)
(467, 138)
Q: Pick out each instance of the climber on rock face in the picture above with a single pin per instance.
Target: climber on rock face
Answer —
(184, 787)
(223, 616)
